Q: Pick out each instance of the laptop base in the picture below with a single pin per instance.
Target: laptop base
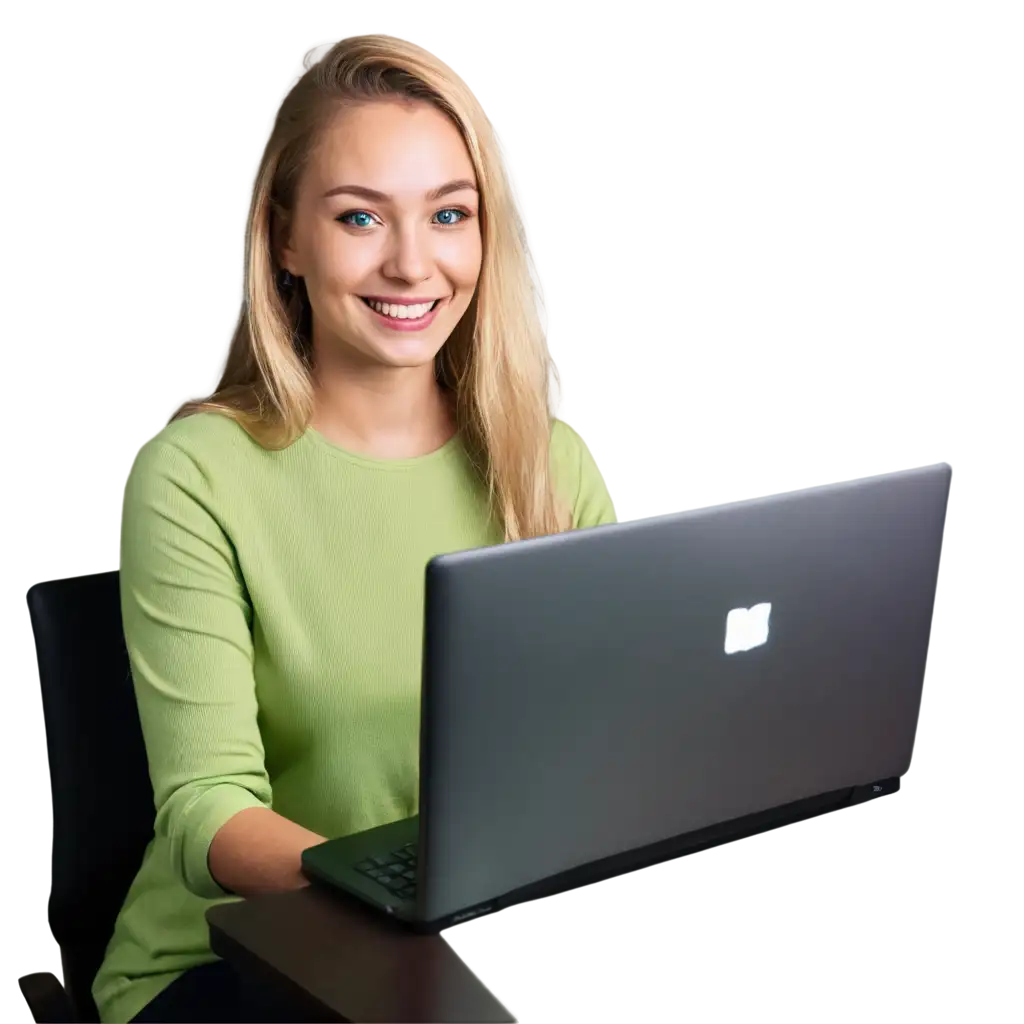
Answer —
(331, 864)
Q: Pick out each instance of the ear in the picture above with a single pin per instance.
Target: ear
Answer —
(287, 260)
(281, 240)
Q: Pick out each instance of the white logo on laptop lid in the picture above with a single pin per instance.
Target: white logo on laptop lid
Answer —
(746, 627)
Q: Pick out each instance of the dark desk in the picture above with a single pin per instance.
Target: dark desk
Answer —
(910, 904)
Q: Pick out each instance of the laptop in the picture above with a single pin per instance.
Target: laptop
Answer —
(609, 698)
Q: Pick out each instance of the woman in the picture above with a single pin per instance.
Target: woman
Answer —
(385, 400)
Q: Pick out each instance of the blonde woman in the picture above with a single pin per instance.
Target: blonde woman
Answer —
(385, 399)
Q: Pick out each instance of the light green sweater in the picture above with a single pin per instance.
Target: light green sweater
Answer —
(273, 612)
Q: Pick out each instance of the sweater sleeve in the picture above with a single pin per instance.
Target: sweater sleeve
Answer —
(592, 504)
(187, 625)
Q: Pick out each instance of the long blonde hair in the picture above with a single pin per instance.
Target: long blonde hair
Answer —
(496, 361)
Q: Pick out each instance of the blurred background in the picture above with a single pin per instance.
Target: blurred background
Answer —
(772, 248)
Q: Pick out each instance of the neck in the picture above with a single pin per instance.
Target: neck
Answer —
(383, 412)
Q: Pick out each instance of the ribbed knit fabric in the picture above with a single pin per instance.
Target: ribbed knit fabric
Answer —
(273, 612)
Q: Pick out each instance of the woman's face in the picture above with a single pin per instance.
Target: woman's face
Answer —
(366, 226)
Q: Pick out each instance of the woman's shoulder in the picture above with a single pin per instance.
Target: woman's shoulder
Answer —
(563, 437)
(195, 445)
(566, 445)
(575, 470)
(206, 430)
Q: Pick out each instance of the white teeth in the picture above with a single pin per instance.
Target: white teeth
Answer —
(401, 312)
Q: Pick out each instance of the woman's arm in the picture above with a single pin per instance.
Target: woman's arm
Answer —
(188, 627)
(257, 850)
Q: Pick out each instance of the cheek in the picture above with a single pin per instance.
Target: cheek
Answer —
(339, 262)
(464, 267)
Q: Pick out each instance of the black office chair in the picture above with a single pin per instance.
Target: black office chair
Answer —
(99, 778)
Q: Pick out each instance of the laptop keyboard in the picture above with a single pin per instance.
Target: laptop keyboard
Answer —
(396, 871)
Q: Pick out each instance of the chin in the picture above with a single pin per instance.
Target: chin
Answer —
(408, 364)
(406, 359)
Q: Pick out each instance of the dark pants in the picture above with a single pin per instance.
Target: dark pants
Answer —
(215, 994)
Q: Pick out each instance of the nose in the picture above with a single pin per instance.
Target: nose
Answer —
(410, 257)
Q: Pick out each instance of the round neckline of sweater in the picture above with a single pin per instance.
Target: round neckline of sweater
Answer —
(368, 462)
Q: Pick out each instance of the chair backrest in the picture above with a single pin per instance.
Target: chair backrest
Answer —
(103, 810)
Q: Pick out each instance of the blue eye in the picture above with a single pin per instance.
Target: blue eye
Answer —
(462, 214)
(454, 217)
(357, 218)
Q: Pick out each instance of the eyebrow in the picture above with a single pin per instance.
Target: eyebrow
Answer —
(382, 197)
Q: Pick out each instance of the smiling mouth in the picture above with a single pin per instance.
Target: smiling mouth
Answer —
(402, 310)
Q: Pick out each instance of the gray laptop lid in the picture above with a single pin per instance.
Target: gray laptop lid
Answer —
(579, 701)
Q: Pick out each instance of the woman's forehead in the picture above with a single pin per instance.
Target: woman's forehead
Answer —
(404, 150)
